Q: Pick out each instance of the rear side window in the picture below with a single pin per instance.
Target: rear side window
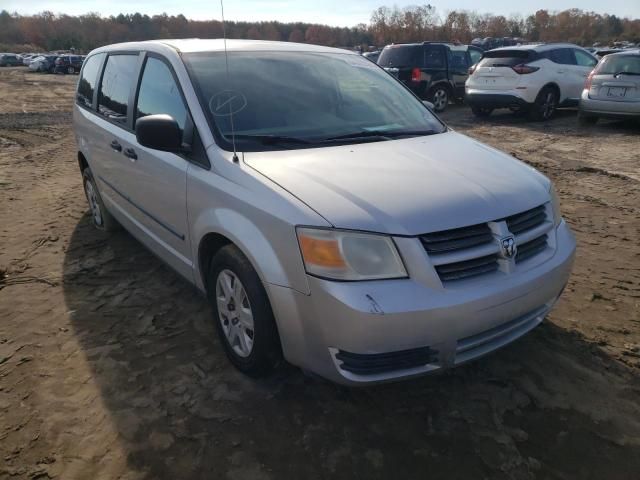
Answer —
(458, 59)
(563, 56)
(434, 57)
(159, 93)
(88, 80)
(616, 64)
(507, 58)
(117, 80)
(401, 56)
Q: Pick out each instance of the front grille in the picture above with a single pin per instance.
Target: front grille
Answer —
(522, 222)
(472, 251)
(457, 239)
(467, 268)
(373, 363)
(531, 248)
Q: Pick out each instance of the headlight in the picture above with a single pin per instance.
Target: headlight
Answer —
(555, 206)
(347, 255)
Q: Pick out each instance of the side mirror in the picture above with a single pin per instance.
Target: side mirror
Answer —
(160, 132)
(427, 104)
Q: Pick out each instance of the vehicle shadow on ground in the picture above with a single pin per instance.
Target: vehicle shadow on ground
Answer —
(182, 411)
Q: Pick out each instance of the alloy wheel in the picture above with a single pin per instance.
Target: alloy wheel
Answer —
(440, 99)
(234, 313)
(548, 105)
(92, 198)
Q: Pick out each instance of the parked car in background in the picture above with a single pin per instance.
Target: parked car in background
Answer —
(601, 52)
(532, 78)
(68, 64)
(28, 57)
(489, 43)
(433, 71)
(352, 233)
(43, 63)
(373, 56)
(9, 60)
(612, 89)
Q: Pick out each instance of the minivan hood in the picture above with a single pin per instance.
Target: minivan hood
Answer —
(408, 186)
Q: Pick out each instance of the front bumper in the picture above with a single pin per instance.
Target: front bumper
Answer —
(346, 324)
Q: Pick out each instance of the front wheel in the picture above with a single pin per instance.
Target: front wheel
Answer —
(242, 313)
(481, 112)
(439, 96)
(71, 70)
(545, 104)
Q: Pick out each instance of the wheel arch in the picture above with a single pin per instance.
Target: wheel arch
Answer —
(82, 162)
(555, 86)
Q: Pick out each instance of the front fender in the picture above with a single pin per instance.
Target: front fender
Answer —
(258, 216)
(283, 268)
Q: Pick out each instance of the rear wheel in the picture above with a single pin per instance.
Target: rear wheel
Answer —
(545, 105)
(71, 70)
(242, 313)
(100, 216)
(585, 120)
(481, 112)
(439, 96)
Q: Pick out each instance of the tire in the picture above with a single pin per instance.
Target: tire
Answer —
(251, 341)
(481, 112)
(545, 105)
(439, 96)
(71, 70)
(100, 216)
(585, 120)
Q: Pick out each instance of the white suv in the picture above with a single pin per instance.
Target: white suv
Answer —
(532, 78)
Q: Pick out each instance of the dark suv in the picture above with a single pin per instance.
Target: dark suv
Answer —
(434, 71)
(68, 64)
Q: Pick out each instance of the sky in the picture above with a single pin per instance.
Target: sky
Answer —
(331, 12)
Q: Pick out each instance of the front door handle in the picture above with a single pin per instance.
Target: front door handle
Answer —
(130, 153)
(116, 146)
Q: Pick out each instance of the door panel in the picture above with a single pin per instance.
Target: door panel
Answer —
(116, 85)
(156, 180)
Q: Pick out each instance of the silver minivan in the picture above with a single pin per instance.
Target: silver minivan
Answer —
(330, 217)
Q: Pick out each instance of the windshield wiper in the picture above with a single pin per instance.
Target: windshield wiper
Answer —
(271, 139)
(385, 135)
(625, 73)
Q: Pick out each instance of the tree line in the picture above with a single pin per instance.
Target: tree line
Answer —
(49, 31)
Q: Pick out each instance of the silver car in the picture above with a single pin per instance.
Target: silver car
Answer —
(612, 89)
(329, 216)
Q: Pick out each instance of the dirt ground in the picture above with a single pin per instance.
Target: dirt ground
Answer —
(110, 369)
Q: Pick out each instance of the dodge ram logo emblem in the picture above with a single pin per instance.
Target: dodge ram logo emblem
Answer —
(509, 248)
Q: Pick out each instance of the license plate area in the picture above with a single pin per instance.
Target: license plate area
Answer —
(616, 92)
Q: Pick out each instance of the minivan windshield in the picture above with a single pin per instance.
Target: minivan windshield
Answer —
(277, 100)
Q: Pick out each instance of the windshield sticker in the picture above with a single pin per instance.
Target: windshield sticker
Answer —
(226, 103)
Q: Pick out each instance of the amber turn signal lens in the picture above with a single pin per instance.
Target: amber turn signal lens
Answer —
(321, 252)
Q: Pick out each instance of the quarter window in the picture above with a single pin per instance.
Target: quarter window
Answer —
(117, 80)
(159, 93)
(88, 80)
